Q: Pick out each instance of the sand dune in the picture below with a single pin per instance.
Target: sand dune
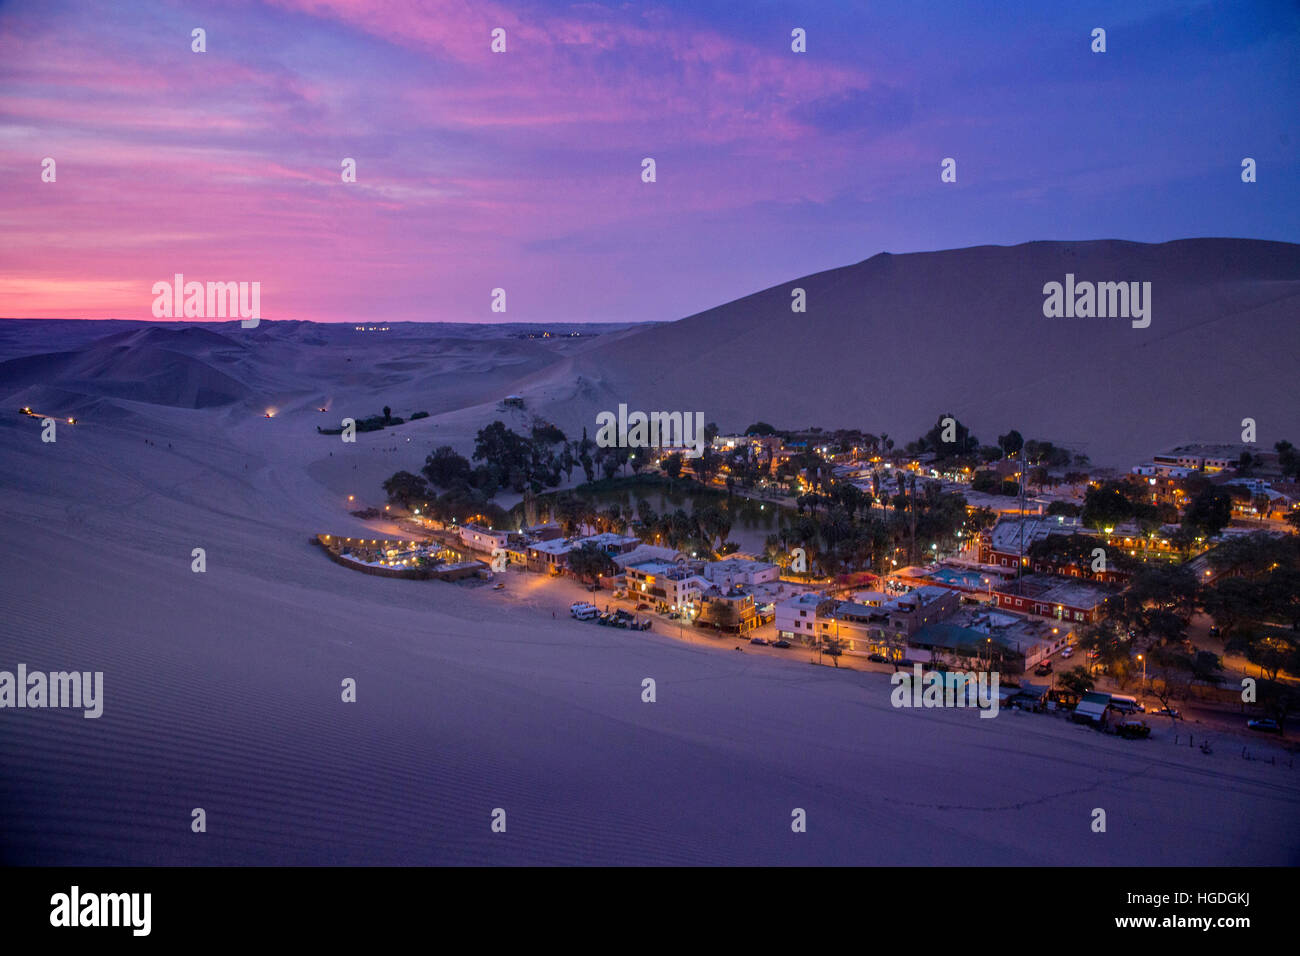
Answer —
(222, 689)
(886, 345)
(890, 343)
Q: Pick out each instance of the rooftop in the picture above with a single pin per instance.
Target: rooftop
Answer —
(605, 539)
(809, 599)
(1053, 590)
(1005, 536)
(735, 566)
(917, 598)
(1204, 450)
(664, 569)
(645, 554)
(973, 628)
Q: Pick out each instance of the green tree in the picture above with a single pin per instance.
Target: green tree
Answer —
(714, 522)
(1209, 512)
(590, 561)
(1106, 506)
(1288, 459)
(672, 465)
(1011, 443)
(1077, 680)
(445, 467)
(403, 488)
(1269, 649)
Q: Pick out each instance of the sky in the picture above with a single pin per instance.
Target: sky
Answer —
(522, 170)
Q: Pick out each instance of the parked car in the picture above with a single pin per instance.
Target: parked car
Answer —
(1167, 712)
(1058, 698)
(757, 640)
(782, 643)
(1068, 652)
(643, 607)
(878, 658)
(1043, 669)
(1133, 729)
(673, 615)
(1267, 724)
(499, 586)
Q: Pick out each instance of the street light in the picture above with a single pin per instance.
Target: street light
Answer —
(1144, 670)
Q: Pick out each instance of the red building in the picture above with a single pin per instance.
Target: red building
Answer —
(1065, 600)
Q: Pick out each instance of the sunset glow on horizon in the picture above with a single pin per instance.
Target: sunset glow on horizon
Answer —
(522, 170)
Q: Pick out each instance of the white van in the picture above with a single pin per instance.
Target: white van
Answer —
(584, 612)
(1126, 704)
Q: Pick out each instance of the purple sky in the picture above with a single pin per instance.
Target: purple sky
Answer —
(522, 170)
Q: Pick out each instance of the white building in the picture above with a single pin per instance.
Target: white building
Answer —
(665, 584)
(483, 539)
(731, 572)
(796, 617)
(553, 555)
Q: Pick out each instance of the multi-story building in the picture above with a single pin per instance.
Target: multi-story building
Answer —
(796, 617)
(479, 538)
(1004, 543)
(729, 610)
(732, 572)
(1000, 546)
(884, 629)
(666, 585)
(1200, 457)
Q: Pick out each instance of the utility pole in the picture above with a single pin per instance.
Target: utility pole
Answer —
(1023, 481)
(911, 483)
